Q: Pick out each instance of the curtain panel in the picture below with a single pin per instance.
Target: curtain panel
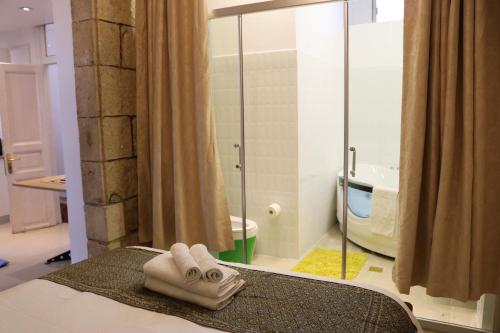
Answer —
(449, 209)
(181, 190)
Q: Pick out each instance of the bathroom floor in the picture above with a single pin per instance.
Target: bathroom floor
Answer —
(377, 272)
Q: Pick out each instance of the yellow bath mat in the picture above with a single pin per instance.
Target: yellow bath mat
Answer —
(328, 263)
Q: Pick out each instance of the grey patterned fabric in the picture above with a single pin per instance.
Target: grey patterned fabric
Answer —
(270, 303)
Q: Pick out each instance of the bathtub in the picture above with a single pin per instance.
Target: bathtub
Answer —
(358, 230)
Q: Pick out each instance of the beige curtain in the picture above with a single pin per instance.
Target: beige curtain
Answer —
(450, 155)
(181, 192)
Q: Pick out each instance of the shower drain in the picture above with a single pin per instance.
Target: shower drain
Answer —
(376, 269)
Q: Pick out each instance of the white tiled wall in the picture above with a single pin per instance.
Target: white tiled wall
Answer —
(320, 43)
(289, 162)
(271, 142)
(320, 147)
(272, 148)
(226, 101)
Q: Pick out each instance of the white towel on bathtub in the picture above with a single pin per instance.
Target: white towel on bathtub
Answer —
(384, 211)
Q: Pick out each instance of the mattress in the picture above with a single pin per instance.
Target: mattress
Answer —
(45, 306)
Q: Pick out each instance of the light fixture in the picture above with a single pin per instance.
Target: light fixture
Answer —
(26, 9)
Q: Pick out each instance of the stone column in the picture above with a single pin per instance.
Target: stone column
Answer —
(104, 53)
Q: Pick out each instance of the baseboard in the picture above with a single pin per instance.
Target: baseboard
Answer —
(4, 219)
(438, 326)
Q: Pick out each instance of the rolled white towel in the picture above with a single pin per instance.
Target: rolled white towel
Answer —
(186, 264)
(163, 268)
(179, 293)
(210, 270)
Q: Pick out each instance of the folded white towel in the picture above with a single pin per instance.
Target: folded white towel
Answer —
(210, 270)
(185, 263)
(179, 293)
(163, 268)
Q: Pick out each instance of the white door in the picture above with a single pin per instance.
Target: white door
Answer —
(27, 141)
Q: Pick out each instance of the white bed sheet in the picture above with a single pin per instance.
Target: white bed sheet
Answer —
(45, 307)
(42, 306)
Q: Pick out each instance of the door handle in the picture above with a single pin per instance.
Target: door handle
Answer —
(237, 146)
(9, 157)
(353, 169)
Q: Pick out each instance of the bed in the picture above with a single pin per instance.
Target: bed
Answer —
(105, 294)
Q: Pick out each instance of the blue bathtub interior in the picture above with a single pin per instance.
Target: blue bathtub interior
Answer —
(359, 202)
(359, 198)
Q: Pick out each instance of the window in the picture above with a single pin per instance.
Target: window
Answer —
(389, 10)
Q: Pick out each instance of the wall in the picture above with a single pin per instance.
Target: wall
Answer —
(376, 91)
(4, 196)
(361, 11)
(272, 148)
(24, 45)
(104, 58)
(321, 104)
(271, 120)
(271, 142)
(69, 132)
(260, 32)
(215, 4)
(57, 123)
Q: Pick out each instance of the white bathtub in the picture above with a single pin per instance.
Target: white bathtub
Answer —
(358, 230)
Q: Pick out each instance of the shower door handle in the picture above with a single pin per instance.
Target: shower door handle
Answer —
(237, 146)
(353, 169)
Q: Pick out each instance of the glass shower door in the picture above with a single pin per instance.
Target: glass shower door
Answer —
(293, 94)
(293, 120)
(226, 107)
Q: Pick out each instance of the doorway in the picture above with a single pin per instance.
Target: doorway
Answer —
(34, 233)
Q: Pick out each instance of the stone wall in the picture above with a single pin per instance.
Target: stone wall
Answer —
(104, 54)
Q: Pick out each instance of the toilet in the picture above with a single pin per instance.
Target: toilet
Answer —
(236, 255)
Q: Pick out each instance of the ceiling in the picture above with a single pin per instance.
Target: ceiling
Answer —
(11, 18)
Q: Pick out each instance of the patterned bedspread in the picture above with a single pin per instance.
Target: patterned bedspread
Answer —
(271, 302)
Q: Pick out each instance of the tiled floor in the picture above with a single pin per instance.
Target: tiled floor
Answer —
(425, 306)
(27, 252)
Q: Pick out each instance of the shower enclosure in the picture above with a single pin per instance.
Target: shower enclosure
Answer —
(305, 102)
(292, 139)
